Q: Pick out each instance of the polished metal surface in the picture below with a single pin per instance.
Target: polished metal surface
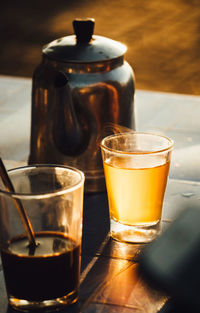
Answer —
(68, 123)
(83, 46)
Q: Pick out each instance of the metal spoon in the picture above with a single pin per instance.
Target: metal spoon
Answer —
(21, 210)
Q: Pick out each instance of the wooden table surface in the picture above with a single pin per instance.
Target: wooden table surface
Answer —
(109, 278)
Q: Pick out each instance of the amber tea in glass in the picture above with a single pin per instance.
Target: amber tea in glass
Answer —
(136, 167)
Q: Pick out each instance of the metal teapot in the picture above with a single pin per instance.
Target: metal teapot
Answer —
(82, 85)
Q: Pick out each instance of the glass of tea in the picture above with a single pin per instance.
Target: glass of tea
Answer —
(45, 276)
(136, 167)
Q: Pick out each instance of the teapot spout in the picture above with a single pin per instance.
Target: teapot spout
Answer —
(68, 135)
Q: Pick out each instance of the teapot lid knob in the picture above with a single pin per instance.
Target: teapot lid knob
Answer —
(83, 29)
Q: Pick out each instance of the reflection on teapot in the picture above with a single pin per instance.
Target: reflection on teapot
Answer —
(82, 84)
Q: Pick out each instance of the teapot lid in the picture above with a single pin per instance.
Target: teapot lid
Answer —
(84, 47)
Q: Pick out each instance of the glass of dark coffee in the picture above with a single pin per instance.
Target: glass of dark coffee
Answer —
(45, 276)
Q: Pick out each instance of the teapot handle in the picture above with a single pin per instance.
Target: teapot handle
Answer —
(67, 131)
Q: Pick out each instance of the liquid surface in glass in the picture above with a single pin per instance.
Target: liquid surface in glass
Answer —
(49, 272)
(135, 195)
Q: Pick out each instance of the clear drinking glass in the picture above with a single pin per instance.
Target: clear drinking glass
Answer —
(46, 277)
(136, 167)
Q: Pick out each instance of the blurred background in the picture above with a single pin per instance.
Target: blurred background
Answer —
(163, 37)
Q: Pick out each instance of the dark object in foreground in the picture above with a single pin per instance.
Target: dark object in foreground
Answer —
(171, 263)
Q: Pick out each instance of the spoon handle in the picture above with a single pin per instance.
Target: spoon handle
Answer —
(21, 210)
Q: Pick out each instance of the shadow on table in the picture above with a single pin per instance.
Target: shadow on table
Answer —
(96, 224)
(102, 257)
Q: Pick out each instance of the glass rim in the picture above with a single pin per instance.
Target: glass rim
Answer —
(43, 195)
(168, 148)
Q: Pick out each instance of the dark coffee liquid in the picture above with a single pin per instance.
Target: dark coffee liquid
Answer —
(52, 272)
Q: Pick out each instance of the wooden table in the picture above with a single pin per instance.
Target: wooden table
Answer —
(109, 279)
